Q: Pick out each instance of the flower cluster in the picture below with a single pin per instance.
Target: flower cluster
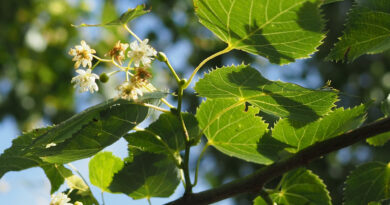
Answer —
(140, 54)
(62, 199)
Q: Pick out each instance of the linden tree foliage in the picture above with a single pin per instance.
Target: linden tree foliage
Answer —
(299, 187)
(279, 30)
(242, 114)
(245, 84)
(367, 31)
(368, 183)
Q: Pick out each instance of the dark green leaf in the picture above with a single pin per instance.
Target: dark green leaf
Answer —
(280, 30)
(331, 1)
(148, 175)
(102, 168)
(84, 197)
(245, 84)
(368, 183)
(55, 178)
(301, 187)
(165, 135)
(79, 137)
(379, 140)
(125, 18)
(367, 31)
(301, 135)
(232, 129)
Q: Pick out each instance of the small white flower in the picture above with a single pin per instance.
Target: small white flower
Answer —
(141, 53)
(129, 92)
(60, 199)
(51, 145)
(118, 52)
(82, 55)
(86, 80)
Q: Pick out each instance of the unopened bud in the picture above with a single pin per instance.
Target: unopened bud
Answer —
(104, 77)
(162, 57)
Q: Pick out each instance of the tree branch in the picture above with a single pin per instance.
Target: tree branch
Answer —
(256, 181)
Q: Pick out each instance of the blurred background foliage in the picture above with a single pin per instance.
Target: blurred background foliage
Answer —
(35, 70)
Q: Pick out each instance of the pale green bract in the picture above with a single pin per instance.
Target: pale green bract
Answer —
(379, 140)
(299, 187)
(368, 183)
(102, 168)
(280, 30)
(245, 84)
(300, 135)
(232, 129)
(367, 31)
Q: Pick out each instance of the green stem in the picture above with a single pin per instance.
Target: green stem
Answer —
(226, 50)
(198, 164)
(156, 108)
(131, 32)
(149, 202)
(172, 70)
(77, 171)
(94, 66)
(185, 164)
(103, 198)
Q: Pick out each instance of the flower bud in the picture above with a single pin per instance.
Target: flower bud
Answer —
(104, 77)
(162, 57)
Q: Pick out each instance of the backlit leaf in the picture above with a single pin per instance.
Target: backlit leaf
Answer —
(367, 31)
(232, 129)
(368, 183)
(102, 168)
(280, 30)
(245, 84)
(300, 135)
(148, 175)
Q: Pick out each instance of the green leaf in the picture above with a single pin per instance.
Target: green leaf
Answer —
(300, 135)
(54, 176)
(379, 140)
(232, 129)
(331, 1)
(148, 175)
(125, 18)
(280, 30)
(366, 32)
(245, 84)
(259, 201)
(301, 187)
(368, 183)
(102, 168)
(81, 136)
(84, 197)
(165, 135)
(73, 181)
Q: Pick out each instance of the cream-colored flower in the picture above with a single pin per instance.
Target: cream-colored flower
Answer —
(50, 145)
(141, 53)
(60, 199)
(118, 52)
(82, 55)
(86, 80)
(129, 91)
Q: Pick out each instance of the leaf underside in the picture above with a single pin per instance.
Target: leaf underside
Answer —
(279, 30)
(367, 31)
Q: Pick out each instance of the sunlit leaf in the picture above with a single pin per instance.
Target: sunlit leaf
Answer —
(84, 197)
(102, 168)
(300, 187)
(368, 183)
(165, 135)
(233, 129)
(366, 32)
(300, 135)
(245, 84)
(379, 140)
(125, 18)
(148, 175)
(73, 181)
(280, 30)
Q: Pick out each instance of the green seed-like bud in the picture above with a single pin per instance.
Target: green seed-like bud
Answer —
(162, 57)
(104, 77)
